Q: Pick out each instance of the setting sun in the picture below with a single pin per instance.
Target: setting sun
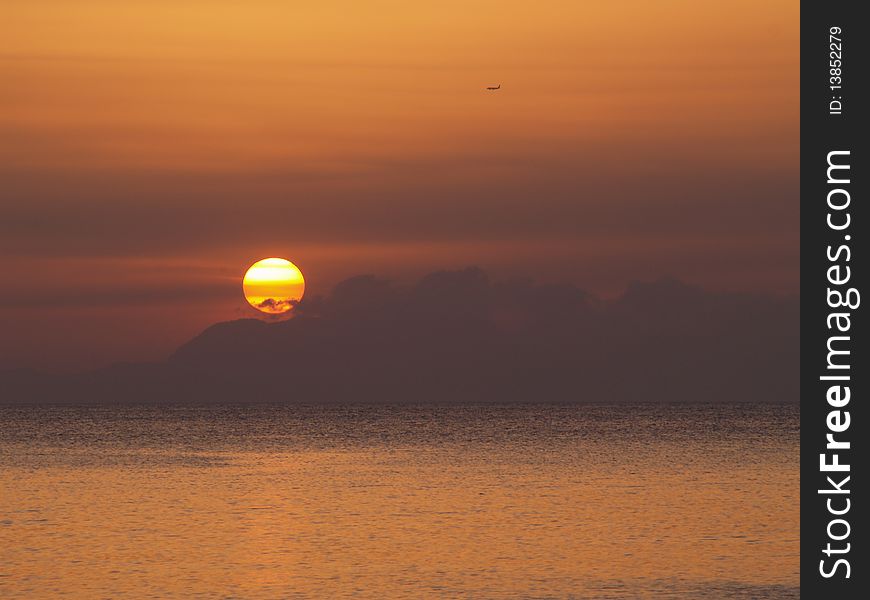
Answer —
(273, 285)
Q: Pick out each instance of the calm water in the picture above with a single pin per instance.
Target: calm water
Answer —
(400, 502)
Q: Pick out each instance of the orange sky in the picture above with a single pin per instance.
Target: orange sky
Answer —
(151, 151)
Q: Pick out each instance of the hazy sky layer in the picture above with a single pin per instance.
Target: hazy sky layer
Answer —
(151, 151)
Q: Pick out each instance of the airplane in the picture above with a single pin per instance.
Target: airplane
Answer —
(493, 88)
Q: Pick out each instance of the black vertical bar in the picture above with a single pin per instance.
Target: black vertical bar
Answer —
(834, 222)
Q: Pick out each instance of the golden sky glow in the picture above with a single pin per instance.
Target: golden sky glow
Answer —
(273, 285)
(341, 86)
(148, 146)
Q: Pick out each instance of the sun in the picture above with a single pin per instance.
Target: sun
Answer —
(273, 285)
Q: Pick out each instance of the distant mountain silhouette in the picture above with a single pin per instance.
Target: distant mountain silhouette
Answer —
(457, 336)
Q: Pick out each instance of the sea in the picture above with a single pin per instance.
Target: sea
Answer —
(482, 501)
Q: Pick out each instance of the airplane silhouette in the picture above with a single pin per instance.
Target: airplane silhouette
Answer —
(498, 87)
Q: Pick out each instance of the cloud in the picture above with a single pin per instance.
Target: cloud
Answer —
(460, 336)
(277, 306)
